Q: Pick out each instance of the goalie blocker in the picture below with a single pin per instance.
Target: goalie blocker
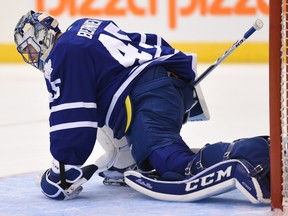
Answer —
(244, 165)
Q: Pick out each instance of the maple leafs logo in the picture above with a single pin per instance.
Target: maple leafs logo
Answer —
(48, 69)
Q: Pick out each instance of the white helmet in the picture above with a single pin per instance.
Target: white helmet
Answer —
(34, 36)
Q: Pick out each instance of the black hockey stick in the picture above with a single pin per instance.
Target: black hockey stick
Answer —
(258, 24)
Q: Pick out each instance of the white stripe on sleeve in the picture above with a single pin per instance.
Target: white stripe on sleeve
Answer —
(74, 105)
(73, 125)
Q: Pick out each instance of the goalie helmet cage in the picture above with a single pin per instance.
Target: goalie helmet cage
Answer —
(278, 86)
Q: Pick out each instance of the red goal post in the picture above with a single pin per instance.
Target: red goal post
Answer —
(278, 102)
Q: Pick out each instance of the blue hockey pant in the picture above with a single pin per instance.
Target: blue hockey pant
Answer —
(159, 104)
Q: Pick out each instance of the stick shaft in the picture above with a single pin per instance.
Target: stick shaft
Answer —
(225, 55)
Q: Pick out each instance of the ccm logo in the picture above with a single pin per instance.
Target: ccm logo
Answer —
(208, 179)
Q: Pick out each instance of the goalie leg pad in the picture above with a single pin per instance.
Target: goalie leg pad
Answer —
(254, 155)
(254, 150)
(117, 153)
(214, 180)
(217, 179)
(116, 159)
(253, 187)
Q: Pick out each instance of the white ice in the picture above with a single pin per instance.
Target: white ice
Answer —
(237, 97)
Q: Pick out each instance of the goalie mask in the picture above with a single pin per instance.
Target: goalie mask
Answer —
(34, 36)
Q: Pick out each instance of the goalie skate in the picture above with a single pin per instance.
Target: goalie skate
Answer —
(113, 177)
(114, 182)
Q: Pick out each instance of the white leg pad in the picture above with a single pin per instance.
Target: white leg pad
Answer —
(117, 152)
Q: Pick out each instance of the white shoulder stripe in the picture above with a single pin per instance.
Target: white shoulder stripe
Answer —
(159, 40)
(73, 125)
(143, 38)
(73, 106)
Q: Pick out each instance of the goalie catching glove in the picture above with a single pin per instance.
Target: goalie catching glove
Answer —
(63, 182)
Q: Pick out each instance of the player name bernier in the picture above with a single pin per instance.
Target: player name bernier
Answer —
(88, 28)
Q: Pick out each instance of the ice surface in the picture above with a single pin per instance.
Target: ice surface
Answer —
(20, 196)
(237, 97)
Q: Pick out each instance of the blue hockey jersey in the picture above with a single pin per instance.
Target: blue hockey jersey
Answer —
(89, 73)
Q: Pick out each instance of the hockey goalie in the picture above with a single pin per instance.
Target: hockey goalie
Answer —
(133, 92)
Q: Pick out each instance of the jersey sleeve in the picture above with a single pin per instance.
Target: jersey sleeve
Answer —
(73, 108)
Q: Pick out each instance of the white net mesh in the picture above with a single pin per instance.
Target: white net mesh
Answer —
(284, 103)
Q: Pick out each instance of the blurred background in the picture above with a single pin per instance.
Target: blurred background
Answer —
(206, 27)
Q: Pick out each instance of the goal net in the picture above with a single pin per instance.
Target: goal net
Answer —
(278, 87)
